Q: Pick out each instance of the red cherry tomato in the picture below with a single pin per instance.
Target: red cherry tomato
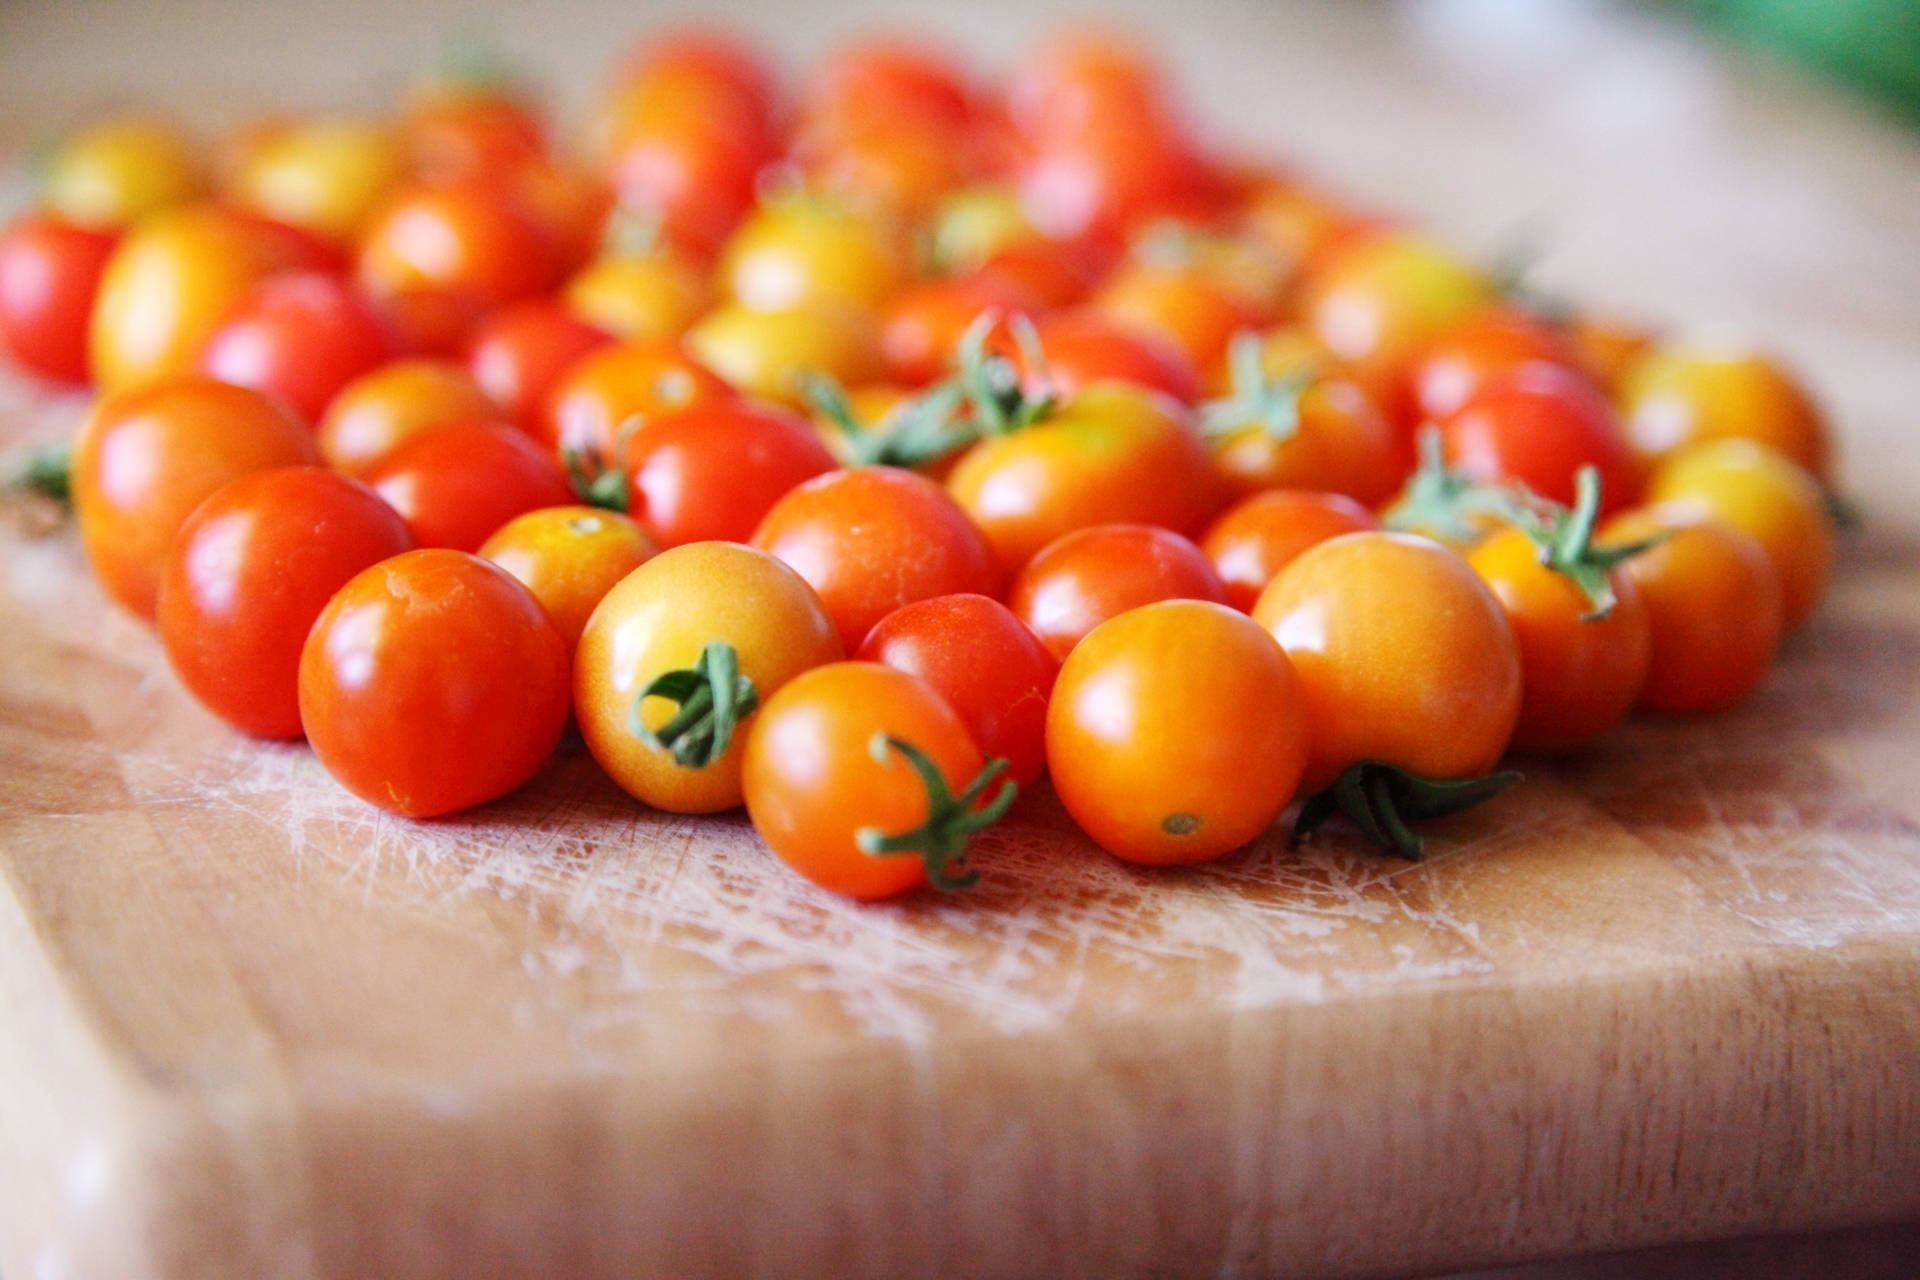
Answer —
(469, 246)
(921, 332)
(1080, 580)
(603, 391)
(301, 337)
(711, 474)
(455, 485)
(871, 539)
(248, 574)
(1487, 342)
(49, 276)
(988, 665)
(147, 457)
(1539, 424)
(693, 178)
(433, 682)
(1257, 537)
(1081, 348)
(520, 352)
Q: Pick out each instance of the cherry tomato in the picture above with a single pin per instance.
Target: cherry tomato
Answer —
(1114, 453)
(433, 682)
(50, 273)
(806, 251)
(1110, 180)
(634, 381)
(769, 353)
(887, 78)
(1539, 424)
(702, 72)
(457, 127)
(871, 539)
(988, 665)
(300, 336)
(1406, 657)
(1324, 433)
(1295, 222)
(654, 296)
(1713, 608)
(569, 557)
(1257, 537)
(327, 176)
(1056, 273)
(1081, 80)
(1681, 393)
(1177, 732)
(114, 173)
(1183, 306)
(968, 226)
(922, 328)
(712, 473)
(455, 485)
(1081, 348)
(894, 168)
(1755, 488)
(171, 281)
(691, 177)
(372, 415)
(469, 245)
(1491, 340)
(1081, 579)
(146, 457)
(248, 574)
(823, 773)
(1607, 347)
(1580, 674)
(520, 352)
(661, 618)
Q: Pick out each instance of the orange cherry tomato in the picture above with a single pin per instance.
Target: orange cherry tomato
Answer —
(471, 244)
(1327, 435)
(628, 382)
(823, 775)
(1608, 346)
(455, 485)
(301, 336)
(50, 273)
(1257, 537)
(372, 415)
(1755, 488)
(988, 665)
(921, 331)
(1177, 732)
(455, 128)
(146, 457)
(1114, 453)
(1184, 306)
(111, 174)
(1492, 339)
(1680, 393)
(1713, 608)
(655, 296)
(520, 352)
(1081, 348)
(569, 557)
(871, 539)
(712, 473)
(433, 682)
(1406, 657)
(1081, 579)
(1580, 674)
(248, 574)
(661, 618)
(887, 78)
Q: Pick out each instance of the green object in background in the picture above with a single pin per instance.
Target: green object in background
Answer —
(1873, 45)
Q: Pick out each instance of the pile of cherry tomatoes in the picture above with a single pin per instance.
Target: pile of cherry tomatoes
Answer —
(863, 453)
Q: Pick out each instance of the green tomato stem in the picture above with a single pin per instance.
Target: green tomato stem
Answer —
(1382, 800)
(941, 840)
(714, 698)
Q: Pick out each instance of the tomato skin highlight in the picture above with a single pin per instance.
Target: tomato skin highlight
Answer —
(988, 665)
(302, 337)
(455, 485)
(1257, 537)
(1714, 609)
(569, 557)
(520, 352)
(145, 458)
(1539, 424)
(49, 277)
(812, 782)
(658, 619)
(1177, 732)
(1681, 393)
(248, 574)
(871, 539)
(1579, 676)
(1405, 656)
(371, 416)
(433, 682)
(598, 394)
(1081, 579)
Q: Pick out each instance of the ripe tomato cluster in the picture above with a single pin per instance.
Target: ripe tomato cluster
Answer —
(864, 453)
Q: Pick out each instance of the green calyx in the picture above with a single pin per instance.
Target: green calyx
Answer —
(1565, 541)
(924, 429)
(1254, 400)
(1447, 503)
(47, 471)
(714, 698)
(594, 480)
(940, 841)
(1383, 799)
(991, 383)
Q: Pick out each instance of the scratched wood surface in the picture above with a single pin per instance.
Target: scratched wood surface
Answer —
(1666, 991)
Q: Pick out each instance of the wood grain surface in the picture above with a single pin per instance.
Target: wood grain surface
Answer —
(1667, 991)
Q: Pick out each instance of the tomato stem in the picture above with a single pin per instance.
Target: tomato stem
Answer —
(1253, 399)
(1381, 800)
(991, 382)
(1447, 503)
(47, 471)
(714, 697)
(1565, 541)
(923, 429)
(941, 840)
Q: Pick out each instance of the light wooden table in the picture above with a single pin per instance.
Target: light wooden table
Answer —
(1669, 992)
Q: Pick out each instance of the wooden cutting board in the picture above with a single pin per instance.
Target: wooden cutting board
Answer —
(1668, 990)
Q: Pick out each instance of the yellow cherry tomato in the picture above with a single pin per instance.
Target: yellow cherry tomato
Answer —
(113, 173)
(569, 557)
(1377, 304)
(768, 353)
(324, 175)
(806, 251)
(651, 295)
(1681, 393)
